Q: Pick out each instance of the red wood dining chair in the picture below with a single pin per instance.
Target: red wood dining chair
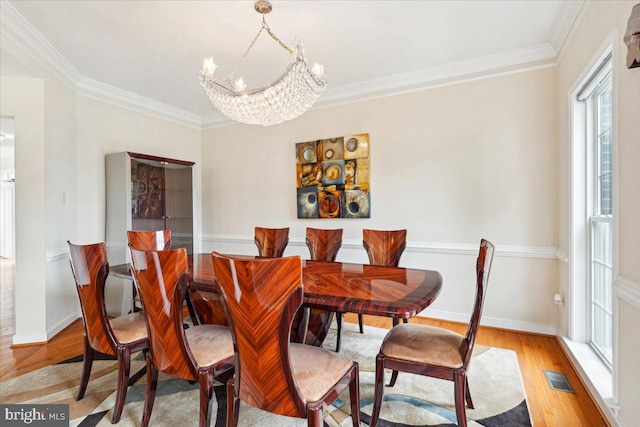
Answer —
(119, 336)
(324, 246)
(384, 248)
(204, 307)
(200, 353)
(271, 242)
(435, 352)
(150, 240)
(296, 380)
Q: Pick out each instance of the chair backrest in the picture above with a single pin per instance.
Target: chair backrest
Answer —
(150, 240)
(483, 268)
(162, 277)
(90, 270)
(271, 242)
(262, 297)
(323, 244)
(384, 247)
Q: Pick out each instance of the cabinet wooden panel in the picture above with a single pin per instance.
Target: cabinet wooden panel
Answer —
(148, 193)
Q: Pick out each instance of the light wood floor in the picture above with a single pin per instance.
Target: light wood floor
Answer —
(535, 352)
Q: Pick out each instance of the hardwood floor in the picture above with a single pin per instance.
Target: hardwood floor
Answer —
(535, 352)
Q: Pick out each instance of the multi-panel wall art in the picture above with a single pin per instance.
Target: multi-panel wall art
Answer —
(333, 177)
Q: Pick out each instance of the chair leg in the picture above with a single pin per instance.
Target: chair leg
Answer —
(468, 394)
(192, 311)
(395, 321)
(339, 338)
(314, 417)
(460, 380)
(379, 390)
(150, 395)
(354, 395)
(124, 364)
(360, 323)
(394, 378)
(86, 368)
(233, 404)
(205, 378)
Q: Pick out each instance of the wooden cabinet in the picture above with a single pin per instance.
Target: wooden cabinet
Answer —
(148, 193)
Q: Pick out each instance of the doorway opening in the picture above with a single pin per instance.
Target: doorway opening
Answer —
(7, 226)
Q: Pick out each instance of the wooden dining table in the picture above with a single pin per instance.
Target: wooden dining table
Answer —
(336, 287)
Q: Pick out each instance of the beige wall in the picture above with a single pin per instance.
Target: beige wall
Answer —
(452, 165)
(104, 129)
(595, 27)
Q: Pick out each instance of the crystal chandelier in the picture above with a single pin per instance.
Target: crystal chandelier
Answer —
(285, 99)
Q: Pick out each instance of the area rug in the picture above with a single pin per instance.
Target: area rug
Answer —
(494, 380)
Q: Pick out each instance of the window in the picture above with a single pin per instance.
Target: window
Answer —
(597, 95)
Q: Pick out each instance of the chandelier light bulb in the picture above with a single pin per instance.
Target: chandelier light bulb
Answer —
(240, 85)
(318, 70)
(209, 67)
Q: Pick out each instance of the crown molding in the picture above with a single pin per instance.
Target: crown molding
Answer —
(572, 15)
(121, 98)
(20, 31)
(472, 69)
(216, 120)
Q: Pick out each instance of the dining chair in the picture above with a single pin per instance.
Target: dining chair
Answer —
(119, 336)
(324, 246)
(200, 353)
(435, 352)
(147, 241)
(204, 307)
(384, 248)
(262, 297)
(271, 242)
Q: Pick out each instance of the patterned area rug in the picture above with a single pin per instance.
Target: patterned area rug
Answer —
(494, 380)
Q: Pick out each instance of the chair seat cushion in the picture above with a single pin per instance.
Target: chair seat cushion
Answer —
(209, 344)
(424, 344)
(317, 370)
(129, 328)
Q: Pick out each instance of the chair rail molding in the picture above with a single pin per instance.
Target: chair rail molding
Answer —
(512, 251)
(57, 254)
(627, 290)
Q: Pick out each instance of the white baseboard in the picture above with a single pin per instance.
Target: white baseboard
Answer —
(514, 325)
(44, 337)
(30, 339)
(51, 332)
(592, 371)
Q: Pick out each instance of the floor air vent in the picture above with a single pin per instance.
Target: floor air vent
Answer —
(558, 381)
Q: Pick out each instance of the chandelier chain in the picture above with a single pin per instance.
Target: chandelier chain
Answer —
(265, 26)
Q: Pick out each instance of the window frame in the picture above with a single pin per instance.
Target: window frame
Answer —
(599, 81)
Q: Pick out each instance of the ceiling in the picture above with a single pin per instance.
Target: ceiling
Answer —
(154, 49)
